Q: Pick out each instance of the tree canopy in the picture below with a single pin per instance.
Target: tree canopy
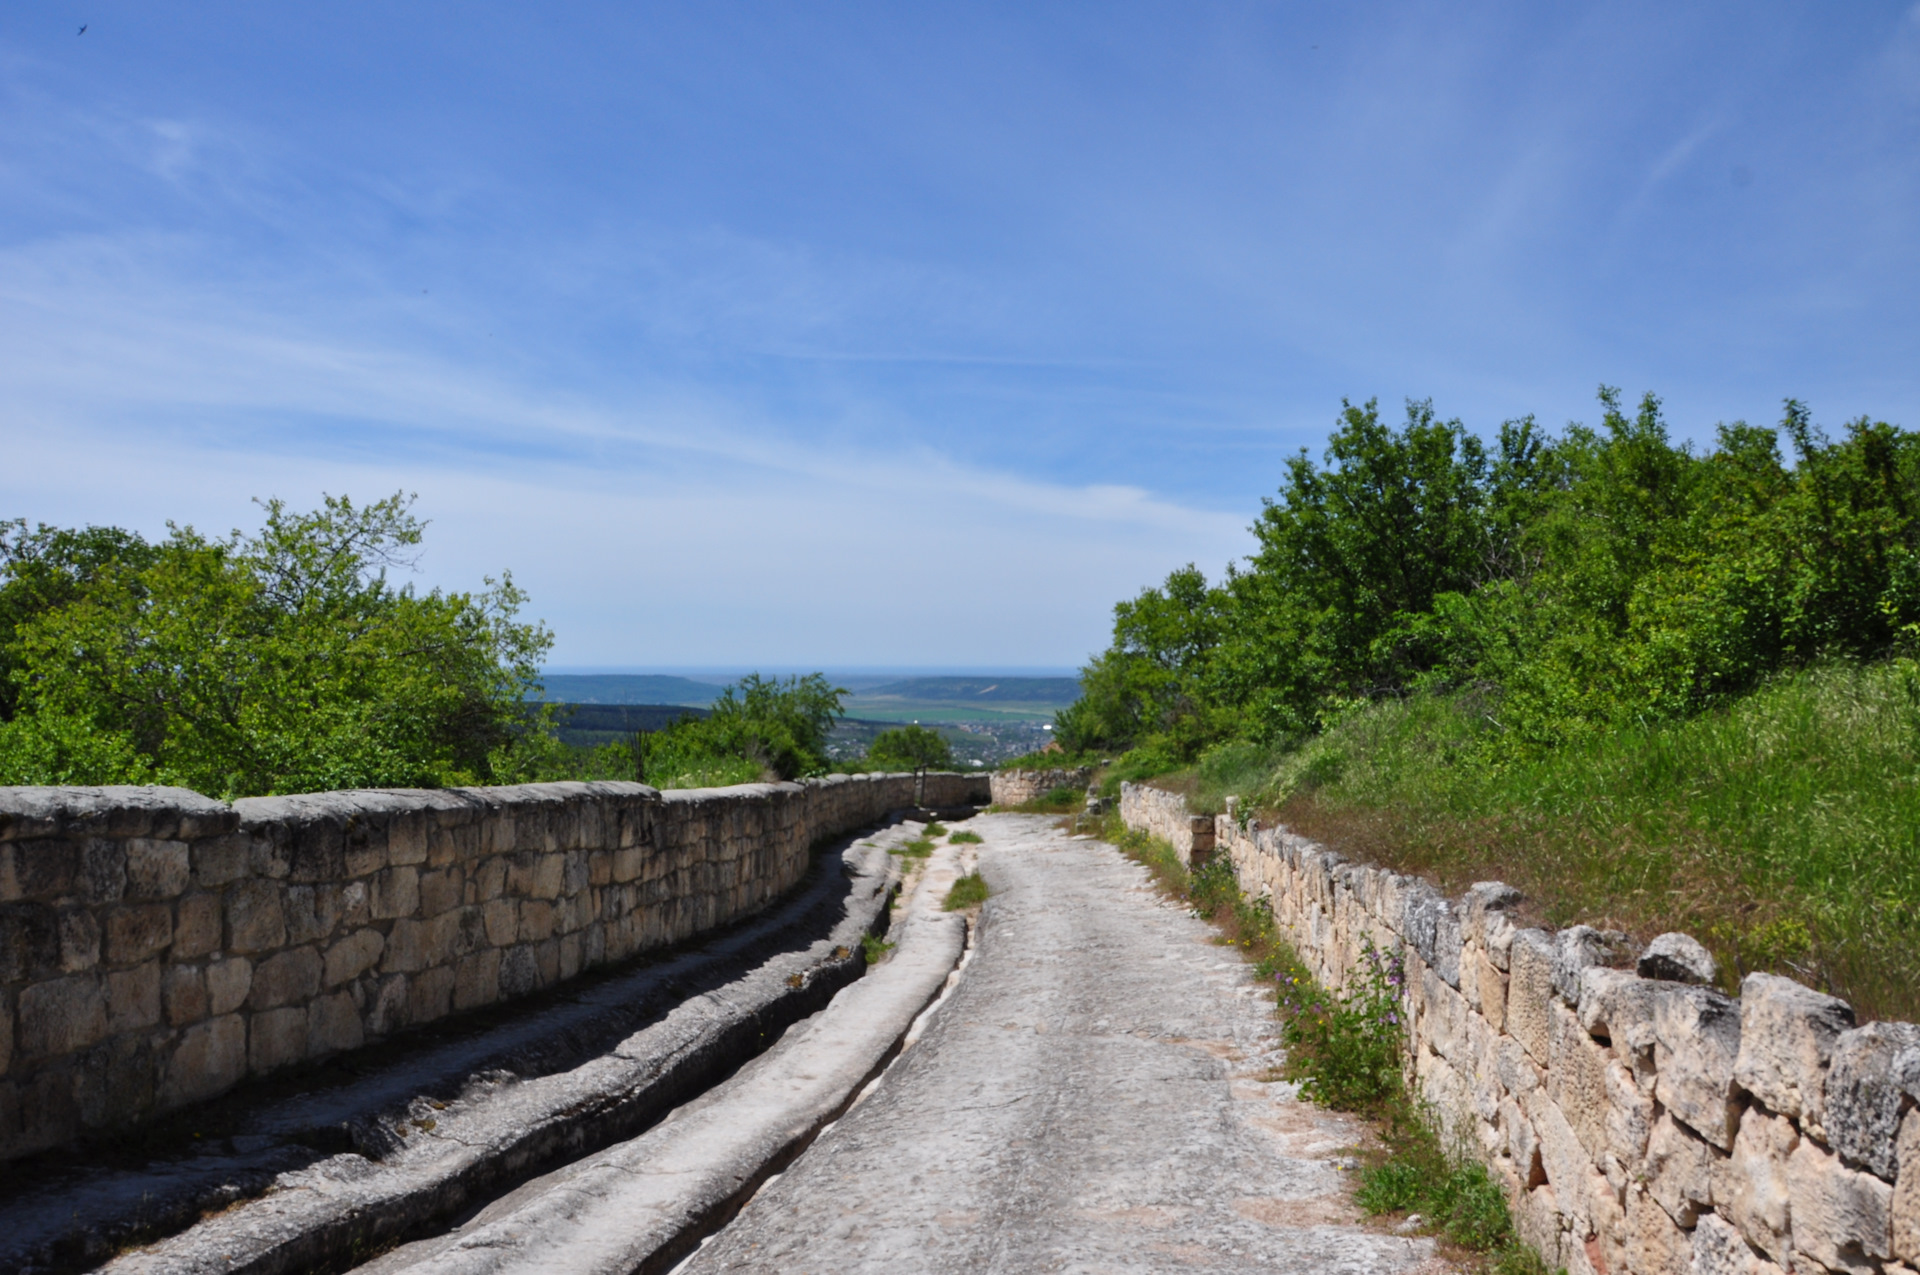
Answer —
(1571, 582)
(281, 661)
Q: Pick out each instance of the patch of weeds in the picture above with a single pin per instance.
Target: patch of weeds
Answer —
(935, 829)
(918, 848)
(969, 891)
(1346, 1050)
(964, 837)
(1056, 801)
(874, 948)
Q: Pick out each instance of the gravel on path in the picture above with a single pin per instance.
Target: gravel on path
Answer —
(1088, 1098)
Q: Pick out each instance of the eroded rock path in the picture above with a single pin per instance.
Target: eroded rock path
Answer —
(1088, 1098)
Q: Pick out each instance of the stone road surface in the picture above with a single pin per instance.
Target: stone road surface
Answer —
(1087, 1099)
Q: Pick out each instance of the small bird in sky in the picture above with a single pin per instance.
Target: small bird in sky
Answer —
(83, 29)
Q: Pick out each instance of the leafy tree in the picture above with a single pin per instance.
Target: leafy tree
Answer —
(279, 662)
(760, 727)
(912, 748)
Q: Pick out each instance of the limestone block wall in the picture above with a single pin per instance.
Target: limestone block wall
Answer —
(1165, 815)
(157, 946)
(1017, 787)
(1641, 1122)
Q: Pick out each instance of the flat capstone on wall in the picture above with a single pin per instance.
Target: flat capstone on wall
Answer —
(1641, 1121)
(157, 947)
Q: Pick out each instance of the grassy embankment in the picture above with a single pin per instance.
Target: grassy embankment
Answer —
(1347, 1052)
(1782, 830)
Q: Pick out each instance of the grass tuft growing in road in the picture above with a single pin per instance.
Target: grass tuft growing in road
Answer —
(964, 837)
(969, 891)
(918, 848)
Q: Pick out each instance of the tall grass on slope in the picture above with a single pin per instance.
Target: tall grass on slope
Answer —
(1783, 830)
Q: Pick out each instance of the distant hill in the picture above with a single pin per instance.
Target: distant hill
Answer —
(589, 724)
(629, 688)
(1053, 692)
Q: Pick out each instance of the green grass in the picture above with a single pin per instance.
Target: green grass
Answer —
(964, 837)
(1783, 830)
(874, 948)
(918, 848)
(969, 891)
(935, 829)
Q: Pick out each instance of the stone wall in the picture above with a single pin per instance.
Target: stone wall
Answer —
(157, 947)
(1165, 815)
(1640, 1120)
(1018, 787)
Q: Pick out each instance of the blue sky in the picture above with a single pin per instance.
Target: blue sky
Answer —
(909, 334)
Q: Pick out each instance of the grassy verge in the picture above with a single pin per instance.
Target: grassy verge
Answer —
(1055, 801)
(1348, 1053)
(1782, 830)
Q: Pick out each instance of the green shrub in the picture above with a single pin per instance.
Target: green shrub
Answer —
(964, 836)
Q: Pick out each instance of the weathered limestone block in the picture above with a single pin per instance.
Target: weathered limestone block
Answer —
(276, 1038)
(156, 869)
(1874, 1072)
(333, 1024)
(220, 860)
(29, 940)
(136, 933)
(313, 912)
(406, 948)
(1561, 1153)
(255, 920)
(1619, 1006)
(395, 894)
(1751, 1189)
(430, 995)
(1433, 930)
(1655, 1246)
(407, 839)
(1906, 1191)
(1680, 1171)
(1531, 992)
(536, 920)
(1597, 1096)
(1841, 1218)
(1696, 1043)
(1490, 989)
(1522, 1144)
(1577, 949)
(79, 940)
(185, 993)
(476, 980)
(388, 1011)
(1787, 1035)
(228, 983)
(196, 931)
(356, 904)
(1679, 958)
(208, 1060)
(442, 890)
(1718, 1249)
(62, 1016)
(288, 978)
(353, 956)
(133, 998)
(519, 971)
(502, 920)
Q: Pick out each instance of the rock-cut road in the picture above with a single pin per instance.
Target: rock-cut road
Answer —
(1090, 1096)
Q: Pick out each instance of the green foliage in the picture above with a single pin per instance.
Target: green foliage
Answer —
(968, 892)
(279, 662)
(964, 837)
(1347, 1048)
(935, 829)
(918, 848)
(874, 948)
(761, 728)
(910, 748)
(1581, 582)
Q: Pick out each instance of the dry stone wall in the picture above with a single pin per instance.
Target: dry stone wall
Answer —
(1017, 787)
(157, 946)
(1640, 1120)
(1165, 815)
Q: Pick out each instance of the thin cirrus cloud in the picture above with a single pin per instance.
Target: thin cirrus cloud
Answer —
(726, 328)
